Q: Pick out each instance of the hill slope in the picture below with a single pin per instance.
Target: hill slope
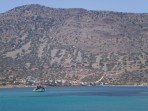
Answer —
(76, 45)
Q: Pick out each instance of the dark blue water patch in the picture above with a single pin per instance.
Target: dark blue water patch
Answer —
(93, 91)
(95, 94)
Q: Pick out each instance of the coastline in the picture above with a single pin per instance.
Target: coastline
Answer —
(26, 86)
(15, 86)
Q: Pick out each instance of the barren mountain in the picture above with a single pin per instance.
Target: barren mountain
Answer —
(75, 45)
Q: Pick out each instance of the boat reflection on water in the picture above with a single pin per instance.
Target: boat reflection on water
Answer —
(39, 89)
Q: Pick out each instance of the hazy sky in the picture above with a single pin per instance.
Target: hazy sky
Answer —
(137, 6)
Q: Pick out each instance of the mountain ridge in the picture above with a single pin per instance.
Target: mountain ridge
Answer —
(43, 6)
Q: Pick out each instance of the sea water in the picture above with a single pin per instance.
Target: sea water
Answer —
(86, 98)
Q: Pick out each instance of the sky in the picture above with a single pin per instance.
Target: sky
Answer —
(134, 6)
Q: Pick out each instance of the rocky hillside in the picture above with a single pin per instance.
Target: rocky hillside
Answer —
(74, 45)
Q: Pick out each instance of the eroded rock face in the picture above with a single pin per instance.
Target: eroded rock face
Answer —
(74, 44)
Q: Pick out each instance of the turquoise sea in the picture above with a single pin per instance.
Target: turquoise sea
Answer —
(86, 98)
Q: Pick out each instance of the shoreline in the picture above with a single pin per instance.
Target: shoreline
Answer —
(25, 86)
(16, 86)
